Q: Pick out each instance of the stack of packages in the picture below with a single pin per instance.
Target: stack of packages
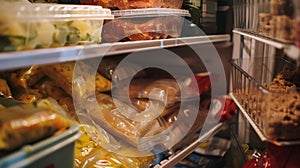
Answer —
(158, 113)
(279, 23)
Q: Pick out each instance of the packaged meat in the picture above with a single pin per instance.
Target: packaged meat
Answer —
(62, 74)
(26, 123)
(27, 26)
(4, 89)
(26, 77)
(134, 4)
(144, 24)
(164, 90)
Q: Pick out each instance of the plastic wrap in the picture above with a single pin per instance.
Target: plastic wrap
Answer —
(62, 74)
(32, 26)
(116, 120)
(144, 24)
(135, 4)
(26, 77)
(89, 153)
(4, 89)
(165, 90)
(26, 124)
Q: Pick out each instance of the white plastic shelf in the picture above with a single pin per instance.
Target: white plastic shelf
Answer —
(53, 55)
(174, 159)
(291, 50)
(258, 131)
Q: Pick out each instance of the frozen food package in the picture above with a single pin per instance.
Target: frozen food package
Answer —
(108, 66)
(62, 74)
(90, 153)
(26, 77)
(165, 90)
(145, 104)
(121, 120)
(27, 26)
(135, 4)
(4, 89)
(26, 123)
(144, 24)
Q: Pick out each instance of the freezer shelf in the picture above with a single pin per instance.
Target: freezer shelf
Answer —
(53, 55)
(174, 159)
(291, 50)
(258, 131)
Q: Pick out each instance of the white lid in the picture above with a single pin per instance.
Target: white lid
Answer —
(151, 12)
(37, 11)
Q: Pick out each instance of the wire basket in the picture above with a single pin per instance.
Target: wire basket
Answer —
(275, 112)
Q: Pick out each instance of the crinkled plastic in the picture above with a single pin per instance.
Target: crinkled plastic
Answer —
(165, 90)
(62, 74)
(4, 89)
(26, 123)
(116, 120)
(26, 77)
(89, 152)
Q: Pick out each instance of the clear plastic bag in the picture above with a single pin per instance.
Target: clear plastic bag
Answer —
(26, 123)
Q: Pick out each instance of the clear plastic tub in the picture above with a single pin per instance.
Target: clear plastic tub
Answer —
(30, 26)
(271, 102)
(134, 4)
(56, 151)
(144, 24)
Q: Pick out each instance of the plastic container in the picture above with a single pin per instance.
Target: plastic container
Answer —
(30, 26)
(144, 24)
(275, 110)
(56, 151)
(134, 4)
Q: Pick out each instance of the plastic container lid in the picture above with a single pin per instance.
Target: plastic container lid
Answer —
(40, 11)
(151, 12)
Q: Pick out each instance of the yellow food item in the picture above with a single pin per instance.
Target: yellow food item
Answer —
(25, 124)
(63, 75)
(89, 153)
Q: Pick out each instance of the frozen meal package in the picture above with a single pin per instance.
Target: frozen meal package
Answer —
(26, 26)
(86, 84)
(166, 90)
(90, 153)
(26, 123)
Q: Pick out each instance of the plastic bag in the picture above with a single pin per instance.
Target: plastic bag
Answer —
(27, 77)
(89, 152)
(26, 123)
(165, 90)
(63, 73)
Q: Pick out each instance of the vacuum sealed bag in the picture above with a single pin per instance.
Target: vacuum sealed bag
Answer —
(27, 123)
(62, 74)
